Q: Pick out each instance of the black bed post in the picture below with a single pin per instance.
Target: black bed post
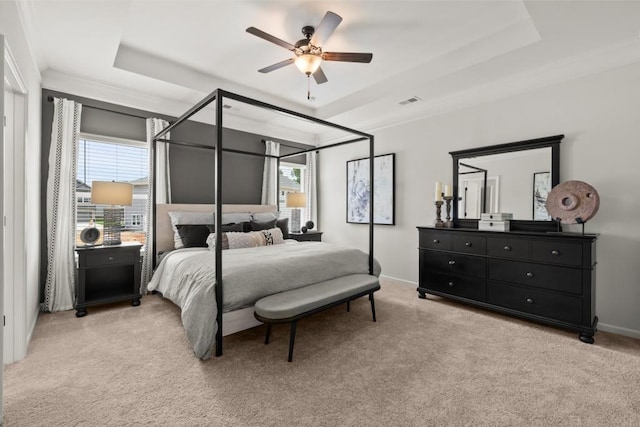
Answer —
(371, 216)
(218, 223)
(152, 174)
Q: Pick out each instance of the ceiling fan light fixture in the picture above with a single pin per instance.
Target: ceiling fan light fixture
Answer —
(308, 63)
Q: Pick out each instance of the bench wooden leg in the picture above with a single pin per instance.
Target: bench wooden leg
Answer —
(266, 338)
(373, 307)
(292, 339)
(348, 305)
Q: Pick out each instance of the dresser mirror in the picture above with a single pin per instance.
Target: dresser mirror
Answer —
(509, 178)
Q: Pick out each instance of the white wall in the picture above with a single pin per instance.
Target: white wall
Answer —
(600, 118)
(10, 26)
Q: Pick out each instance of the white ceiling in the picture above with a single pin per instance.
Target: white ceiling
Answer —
(451, 54)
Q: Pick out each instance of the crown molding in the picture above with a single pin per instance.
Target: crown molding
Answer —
(26, 12)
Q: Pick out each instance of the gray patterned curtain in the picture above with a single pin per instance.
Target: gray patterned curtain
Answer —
(163, 189)
(60, 285)
(270, 174)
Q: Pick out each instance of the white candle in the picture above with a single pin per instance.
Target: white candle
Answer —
(438, 191)
(448, 192)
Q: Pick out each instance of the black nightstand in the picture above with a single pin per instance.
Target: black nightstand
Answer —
(309, 236)
(107, 274)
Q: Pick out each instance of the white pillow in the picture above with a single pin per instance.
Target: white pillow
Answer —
(236, 240)
(265, 216)
(181, 217)
(235, 217)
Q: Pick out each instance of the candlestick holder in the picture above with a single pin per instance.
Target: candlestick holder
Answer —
(448, 223)
(438, 222)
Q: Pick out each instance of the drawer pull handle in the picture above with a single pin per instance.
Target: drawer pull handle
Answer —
(554, 252)
(529, 274)
(507, 248)
(436, 241)
(452, 262)
(530, 300)
(110, 258)
(451, 284)
(468, 244)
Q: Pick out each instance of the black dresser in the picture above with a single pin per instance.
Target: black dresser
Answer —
(543, 277)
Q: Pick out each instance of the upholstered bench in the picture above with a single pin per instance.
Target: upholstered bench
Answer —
(293, 305)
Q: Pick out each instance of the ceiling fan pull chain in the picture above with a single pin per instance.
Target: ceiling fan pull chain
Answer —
(309, 87)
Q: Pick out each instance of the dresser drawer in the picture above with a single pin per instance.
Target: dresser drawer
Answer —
(553, 277)
(535, 301)
(450, 263)
(466, 287)
(557, 252)
(470, 243)
(434, 239)
(508, 248)
(109, 258)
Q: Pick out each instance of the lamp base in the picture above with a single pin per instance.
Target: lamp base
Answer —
(113, 218)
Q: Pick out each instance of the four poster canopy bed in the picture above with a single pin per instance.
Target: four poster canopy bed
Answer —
(246, 256)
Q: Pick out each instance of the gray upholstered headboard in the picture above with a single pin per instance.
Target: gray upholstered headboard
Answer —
(164, 232)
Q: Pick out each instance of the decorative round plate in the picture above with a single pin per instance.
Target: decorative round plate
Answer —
(90, 235)
(573, 202)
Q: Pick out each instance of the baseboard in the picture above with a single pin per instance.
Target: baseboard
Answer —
(401, 281)
(618, 330)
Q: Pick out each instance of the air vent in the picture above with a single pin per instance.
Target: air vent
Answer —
(410, 100)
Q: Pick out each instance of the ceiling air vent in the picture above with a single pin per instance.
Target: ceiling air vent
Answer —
(410, 100)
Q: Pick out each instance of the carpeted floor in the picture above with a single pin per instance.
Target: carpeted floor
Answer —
(423, 363)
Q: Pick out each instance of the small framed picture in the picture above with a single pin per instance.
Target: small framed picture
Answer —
(358, 189)
(541, 188)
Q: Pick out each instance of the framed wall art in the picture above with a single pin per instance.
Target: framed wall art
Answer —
(541, 188)
(358, 188)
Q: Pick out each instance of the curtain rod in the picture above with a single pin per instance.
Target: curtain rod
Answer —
(50, 99)
(264, 141)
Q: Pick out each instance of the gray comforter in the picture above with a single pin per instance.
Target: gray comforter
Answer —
(187, 276)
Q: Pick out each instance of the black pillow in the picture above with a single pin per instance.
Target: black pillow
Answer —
(228, 227)
(283, 224)
(257, 226)
(193, 236)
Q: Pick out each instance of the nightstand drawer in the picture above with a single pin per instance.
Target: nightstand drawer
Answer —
(110, 258)
(309, 236)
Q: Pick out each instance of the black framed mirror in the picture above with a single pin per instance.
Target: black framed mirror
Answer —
(511, 178)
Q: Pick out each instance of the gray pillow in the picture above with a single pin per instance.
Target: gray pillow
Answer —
(266, 225)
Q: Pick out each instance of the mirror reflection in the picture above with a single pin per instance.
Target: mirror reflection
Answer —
(515, 182)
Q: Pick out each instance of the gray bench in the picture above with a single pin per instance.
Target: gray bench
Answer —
(293, 305)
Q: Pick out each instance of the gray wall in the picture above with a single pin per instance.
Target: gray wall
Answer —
(192, 169)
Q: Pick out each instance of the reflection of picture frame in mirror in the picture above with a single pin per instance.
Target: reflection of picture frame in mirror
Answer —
(541, 188)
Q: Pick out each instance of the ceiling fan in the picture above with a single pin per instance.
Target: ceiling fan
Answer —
(308, 51)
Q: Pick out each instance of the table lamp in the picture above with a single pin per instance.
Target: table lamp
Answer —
(296, 201)
(114, 194)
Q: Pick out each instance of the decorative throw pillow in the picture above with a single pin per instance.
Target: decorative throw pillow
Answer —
(257, 226)
(235, 217)
(283, 224)
(181, 217)
(193, 235)
(235, 240)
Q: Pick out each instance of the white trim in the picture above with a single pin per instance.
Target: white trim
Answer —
(111, 139)
(401, 281)
(618, 330)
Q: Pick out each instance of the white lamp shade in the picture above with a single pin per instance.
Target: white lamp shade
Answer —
(296, 200)
(308, 63)
(111, 193)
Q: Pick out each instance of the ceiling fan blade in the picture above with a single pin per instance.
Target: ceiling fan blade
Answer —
(319, 76)
(326, 27)
(277, 65)
(347, 56)
(270, 38)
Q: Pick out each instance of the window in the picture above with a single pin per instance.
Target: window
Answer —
(108, 159)
(291, 180)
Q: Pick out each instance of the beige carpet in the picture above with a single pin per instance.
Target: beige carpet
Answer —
(423, 363)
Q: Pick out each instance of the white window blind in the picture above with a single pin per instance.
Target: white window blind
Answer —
(106, 159)
(291, 180)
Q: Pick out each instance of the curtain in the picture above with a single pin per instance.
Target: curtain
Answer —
(310, 188)
(270, 175)
(163, 191)
(60, 283)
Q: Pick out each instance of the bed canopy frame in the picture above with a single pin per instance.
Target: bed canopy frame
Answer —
(217, 97)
